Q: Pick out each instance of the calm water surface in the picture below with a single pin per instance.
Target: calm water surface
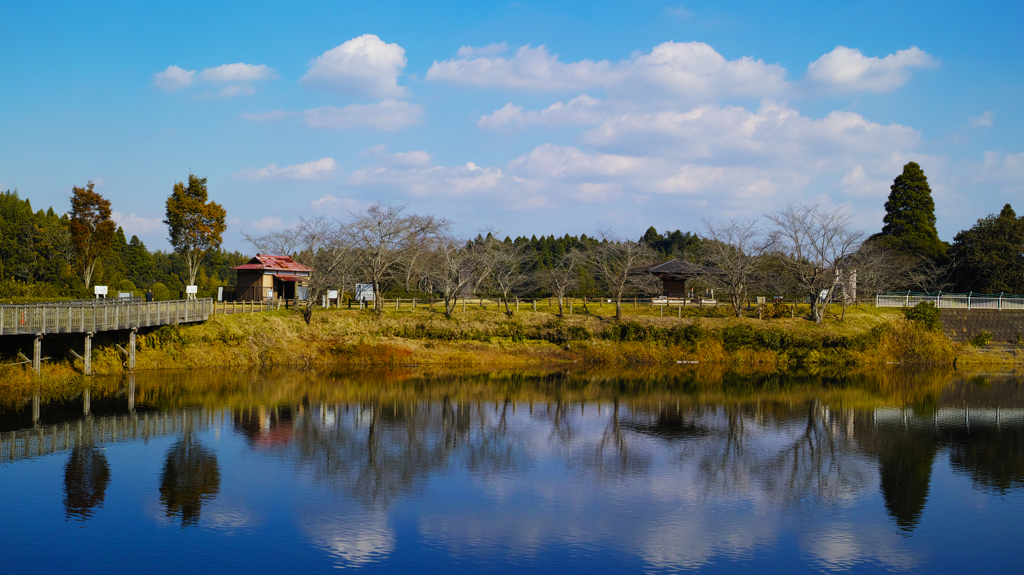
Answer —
(405, 471)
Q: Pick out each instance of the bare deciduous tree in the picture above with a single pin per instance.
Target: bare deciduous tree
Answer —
(317, 243)
(615, 262)
(814, 245)
(733, 248)
(508, 270)
(449, 268)
(383, 240)
(563, 276)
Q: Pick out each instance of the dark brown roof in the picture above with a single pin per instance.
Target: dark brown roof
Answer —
(269, 263)
(676, 269)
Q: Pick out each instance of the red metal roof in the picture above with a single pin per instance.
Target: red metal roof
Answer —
(269, 263)
(287, 278)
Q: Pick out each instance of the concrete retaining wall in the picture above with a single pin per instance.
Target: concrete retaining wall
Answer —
(961, 324)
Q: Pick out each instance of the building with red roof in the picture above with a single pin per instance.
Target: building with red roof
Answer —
(267, 277)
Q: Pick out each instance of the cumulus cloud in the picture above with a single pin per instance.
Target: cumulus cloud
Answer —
(363, 66)
(1005, 171)
(321, 169)
(679, 69)
(173, 78)
(389, 115)
(847, 69)
(470, 51)
(580, 110)
(983, 121)
(240, 78)
(857, 183)
(137, 225)
(268, 223)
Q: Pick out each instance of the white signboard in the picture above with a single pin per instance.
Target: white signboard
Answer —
(332, 294)
(124, 294)
(99, 290)
(220, 293)
(364, 292)
(191, 289)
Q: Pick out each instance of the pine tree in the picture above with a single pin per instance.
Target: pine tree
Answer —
(910, 217)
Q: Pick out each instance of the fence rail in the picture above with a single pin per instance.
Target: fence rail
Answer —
(951, 300)
(75, 317)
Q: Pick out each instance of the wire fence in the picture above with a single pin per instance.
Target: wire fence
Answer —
(951, 300)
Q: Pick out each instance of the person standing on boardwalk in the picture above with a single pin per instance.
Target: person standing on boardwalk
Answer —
(149, 294)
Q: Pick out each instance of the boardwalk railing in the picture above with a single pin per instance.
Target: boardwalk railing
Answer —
(85, 316)
(951, 300)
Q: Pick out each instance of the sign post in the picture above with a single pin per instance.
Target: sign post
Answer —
(100, 291)
(191, 291)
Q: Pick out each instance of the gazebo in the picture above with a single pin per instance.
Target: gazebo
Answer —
(267, 277)
(675, 274)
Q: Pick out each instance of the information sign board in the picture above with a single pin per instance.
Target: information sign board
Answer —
(99, 290)
(332, 294)
(364, 292)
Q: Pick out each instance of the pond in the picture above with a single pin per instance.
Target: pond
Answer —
(682, 470)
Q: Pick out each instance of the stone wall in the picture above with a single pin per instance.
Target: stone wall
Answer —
(961, 324)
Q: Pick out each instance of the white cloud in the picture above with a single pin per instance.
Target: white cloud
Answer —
(321, 169)
(847, 69)
(580, 110)
(268, 223)
(362, 66)
(470, 51)
(237, 73)
(775, 134)
(389, 115)
(137, 225)
(671, 69)
(1005, 171)
(333, 205)
(239, 76)
(983, 121)
(858, 184)
(173, 78)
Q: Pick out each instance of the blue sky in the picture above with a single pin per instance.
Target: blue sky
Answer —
(527, 117)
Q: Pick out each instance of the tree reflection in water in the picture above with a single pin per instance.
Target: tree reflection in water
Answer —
(86, 475)
(190, 478)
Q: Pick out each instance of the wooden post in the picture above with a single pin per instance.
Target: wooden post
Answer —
(37, 353)
(534, 305)
(634, 302)
(131, 350)
(86, 401)
(131, 392)
(463, 304)
(517, 304)
(570, 306)
(679, 309)
(661, 310)
(87, 357)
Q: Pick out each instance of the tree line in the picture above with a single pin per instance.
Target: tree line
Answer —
(808, 251)
(46, 255)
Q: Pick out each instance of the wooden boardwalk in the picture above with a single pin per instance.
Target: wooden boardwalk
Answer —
(96, 315)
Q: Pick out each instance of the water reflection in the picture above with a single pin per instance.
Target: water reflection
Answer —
(190, 478)
(86, 476)
(680, 471)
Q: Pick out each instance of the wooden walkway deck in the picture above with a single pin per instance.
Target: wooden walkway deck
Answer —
(93, 316)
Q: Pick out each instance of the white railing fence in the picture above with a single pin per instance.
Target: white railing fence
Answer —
(951, 300)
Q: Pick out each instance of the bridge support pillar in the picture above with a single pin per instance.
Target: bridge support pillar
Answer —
(37, 353)
(87, 357)
(131, 350)
(86, 401)
(131, 393)
(35, 409)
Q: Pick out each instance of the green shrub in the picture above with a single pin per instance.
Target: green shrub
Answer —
(160, 292)
(982, 339)
(926, 315)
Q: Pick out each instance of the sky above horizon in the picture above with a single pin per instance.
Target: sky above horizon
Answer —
(529, 118)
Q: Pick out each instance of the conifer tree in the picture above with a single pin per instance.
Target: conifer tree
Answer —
(910, 217)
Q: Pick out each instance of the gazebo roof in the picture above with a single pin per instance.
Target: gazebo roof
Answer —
(677, 269)
(268, 263)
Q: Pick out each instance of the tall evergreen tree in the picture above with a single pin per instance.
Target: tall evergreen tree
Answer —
(989, 257)
(910, 217)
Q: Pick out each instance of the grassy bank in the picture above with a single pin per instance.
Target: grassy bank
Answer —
(486, 337)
